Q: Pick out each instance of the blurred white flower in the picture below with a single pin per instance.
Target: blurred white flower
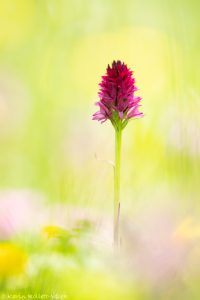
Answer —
(68, 216)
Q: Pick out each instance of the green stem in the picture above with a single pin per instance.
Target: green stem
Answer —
(118, 138)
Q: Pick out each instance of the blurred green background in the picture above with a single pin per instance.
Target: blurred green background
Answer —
(52, 56)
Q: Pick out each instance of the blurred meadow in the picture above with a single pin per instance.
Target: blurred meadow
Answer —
(56, 179)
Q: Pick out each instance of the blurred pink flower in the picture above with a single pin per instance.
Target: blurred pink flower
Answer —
(117, 95)
(155, 249)
(25, 211)
(19, 211)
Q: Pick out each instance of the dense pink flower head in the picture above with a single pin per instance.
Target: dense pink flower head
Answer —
(117, 99)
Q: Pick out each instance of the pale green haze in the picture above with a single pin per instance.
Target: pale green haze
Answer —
(56, 162)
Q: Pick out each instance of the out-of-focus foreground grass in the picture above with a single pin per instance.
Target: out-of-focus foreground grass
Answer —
(54, 157)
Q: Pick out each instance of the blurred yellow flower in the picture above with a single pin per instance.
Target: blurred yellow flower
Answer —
(52, 231)
(188, 230)
(12, 260)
